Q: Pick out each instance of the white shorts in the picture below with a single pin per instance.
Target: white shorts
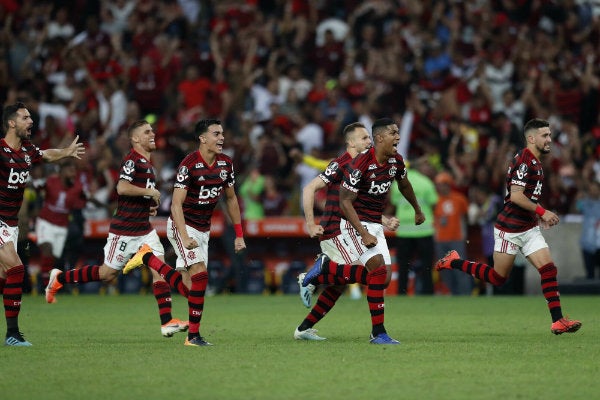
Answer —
(338, 250)
(185, 257)
(351, 236)
(119, 249)
(47, 232)
(8, 234)
(527, 242)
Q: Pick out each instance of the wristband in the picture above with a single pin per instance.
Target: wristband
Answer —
(238, 230)
(539, 210)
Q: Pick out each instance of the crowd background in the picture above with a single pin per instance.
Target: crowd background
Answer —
(459, 77)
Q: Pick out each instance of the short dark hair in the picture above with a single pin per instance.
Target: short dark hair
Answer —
(202, 125)
(134, 125)
(535, 123)
(381, 123)
(10, 112)
(348, 129)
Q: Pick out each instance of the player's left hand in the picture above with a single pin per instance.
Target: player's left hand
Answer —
(75, 149)
(391, 223)
(153, 210)
(239, 244)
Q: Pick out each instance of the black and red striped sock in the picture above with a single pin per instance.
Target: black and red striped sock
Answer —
(347, 272)
(88, 273)
(2, 282)
(375, 289)
(12, 292)
(168, 273)
(324, 304)
(327, 279)
(196, 302)
(550, 290)
(350, 273)
(162, 293)
(479, 271)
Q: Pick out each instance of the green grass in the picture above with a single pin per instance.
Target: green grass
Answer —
(109, 347)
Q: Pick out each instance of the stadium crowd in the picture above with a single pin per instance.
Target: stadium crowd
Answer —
(459, 77)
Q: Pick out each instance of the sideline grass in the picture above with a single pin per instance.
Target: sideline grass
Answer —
(110, 347)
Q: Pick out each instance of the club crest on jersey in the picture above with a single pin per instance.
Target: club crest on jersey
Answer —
(331, 168)
(223, 174)
(129, 167)
(522, 171)
(393, 171)
(355, 177)
(27, 159)
(182, 173)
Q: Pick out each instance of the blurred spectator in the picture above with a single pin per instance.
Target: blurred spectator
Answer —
(147, 84)
(62, 192)
(273, 201)
(588, 204)
(415, 246)
(450, 215)
(251, 192)
(59, 26)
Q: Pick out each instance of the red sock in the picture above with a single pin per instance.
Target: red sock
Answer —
(196, 301)
(550, 289)
(375, 288)
(88, 273)
(162, 293)
(479, 271)
(324, 304)
(169, 274)
(46, 265)
(13, 290)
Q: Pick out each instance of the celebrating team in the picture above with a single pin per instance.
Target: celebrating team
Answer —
(357, 190)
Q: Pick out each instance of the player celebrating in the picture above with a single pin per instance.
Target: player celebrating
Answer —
(130, 228)
(201, 178)
(17, 156)
(517, 227)
(328, 231)
(362, 198)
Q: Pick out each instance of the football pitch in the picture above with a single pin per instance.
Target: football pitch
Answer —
(110, 347)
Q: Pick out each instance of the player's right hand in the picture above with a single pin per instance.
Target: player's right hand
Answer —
(155, 195)
(369, 240)
(315, 230)
(189, 243)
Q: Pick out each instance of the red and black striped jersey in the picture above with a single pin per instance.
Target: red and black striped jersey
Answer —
(204, 184)
(132, 216)
(372, 181)
(15, 165)
(526, 171)
(333, 176)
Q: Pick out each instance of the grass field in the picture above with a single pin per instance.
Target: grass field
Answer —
(110, 347)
